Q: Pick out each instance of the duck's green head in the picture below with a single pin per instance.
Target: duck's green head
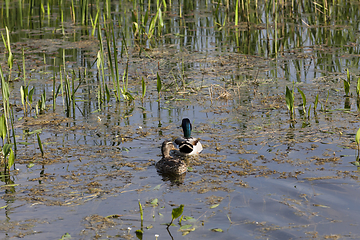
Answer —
(186, 126)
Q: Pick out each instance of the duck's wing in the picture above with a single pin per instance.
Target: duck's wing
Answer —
(185, 147)
(198, 147)
(180, 141)
(189, 146)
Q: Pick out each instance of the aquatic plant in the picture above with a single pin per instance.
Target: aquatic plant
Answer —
(117, 83)
(141, 212)
(71, 91)
(304, 100)
(66, 236)
(3, 128)
(26, 97)
(8, 155)
(316, 102)
(346, 87)
(323, 107)
(347, 83)
(6, 148)
(40, 144)
(124, 90)
(135, 25)
(8, 47)
(13, 129)
(139, 232)
(143, 88)
(176, 213)
(158, 84)
(54, 92)
(94, 22)
(236, 12)
(357, 140)
(114, 75)
(289, 97)
(41, 103)
(218, 21)
(23, 64)
(5, 97)
(154, 20)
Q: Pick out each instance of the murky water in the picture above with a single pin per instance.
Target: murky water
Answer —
(260, 175)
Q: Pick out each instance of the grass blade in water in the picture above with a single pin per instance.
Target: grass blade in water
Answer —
(40, 145)
(158, 84)
(357, 138)
(304, 99)
(3, 129)
(11, 159)
(289, 97)
(143, 87)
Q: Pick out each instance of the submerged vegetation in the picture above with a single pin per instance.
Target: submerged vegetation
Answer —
(83, 83)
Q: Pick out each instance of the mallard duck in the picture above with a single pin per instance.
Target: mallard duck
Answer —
(188, 145)
(169, 164)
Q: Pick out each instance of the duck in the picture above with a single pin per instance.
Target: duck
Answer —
(168, 164)
(187, 144)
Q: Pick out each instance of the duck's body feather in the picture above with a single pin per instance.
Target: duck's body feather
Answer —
(187, 144)
(171, 166)
(168, 164)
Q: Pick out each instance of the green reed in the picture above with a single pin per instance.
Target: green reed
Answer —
(40, 144)
(5, 98)
(358, 88)
(289, 97)
(8, 155)
(12, 120)
(316, 102)
(237, 13)
(303, 99)
(140, 231)
(94, 22)
(347, 83)
(67, 90)
(357, 140)
(114, 75)
(117, 83)
(158, 84)
(26, 94)
(54, 87)
(61, 87)
(101, 69)
(48, 11)
(23, 65)
(153, 21)
(124, 90)
(41, 105)
(26, 98)
(72, 11)
(143, 88)
(3, 128)
(7, 45)
(7, 152)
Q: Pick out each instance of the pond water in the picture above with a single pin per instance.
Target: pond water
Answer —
(262, 175)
